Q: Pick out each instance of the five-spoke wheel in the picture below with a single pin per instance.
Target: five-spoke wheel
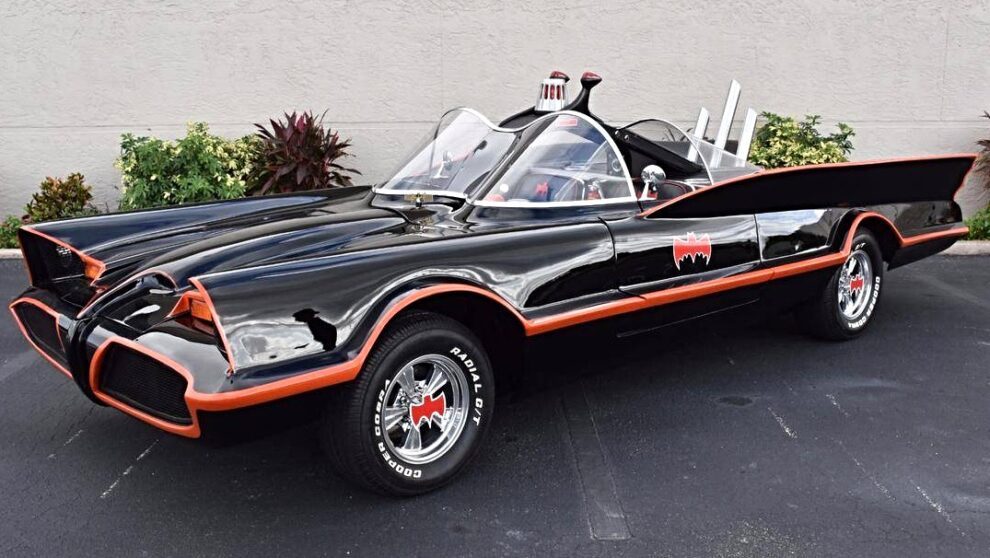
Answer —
(418, 411)
(426, 408)
(845, 306)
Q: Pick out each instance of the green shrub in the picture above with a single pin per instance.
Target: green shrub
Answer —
(785, 142)
(199, 167)
(60, 199)
(979, 225)
(8, 232)
(983, 159)
(300, 154)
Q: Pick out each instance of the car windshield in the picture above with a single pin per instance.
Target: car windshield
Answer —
(560, 158)
(453, 159)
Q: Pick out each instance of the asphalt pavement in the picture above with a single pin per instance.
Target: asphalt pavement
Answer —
(708, 439)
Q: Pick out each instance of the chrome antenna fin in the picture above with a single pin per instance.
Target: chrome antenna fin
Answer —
(728, 113)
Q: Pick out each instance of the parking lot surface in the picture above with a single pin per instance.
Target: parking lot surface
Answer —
(707, 439)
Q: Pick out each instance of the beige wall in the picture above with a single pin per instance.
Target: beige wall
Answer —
(910, 77)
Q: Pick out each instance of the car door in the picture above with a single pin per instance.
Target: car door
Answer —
(685, 267)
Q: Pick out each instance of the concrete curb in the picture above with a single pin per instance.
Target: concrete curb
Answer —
(961, 248)
(969, 248)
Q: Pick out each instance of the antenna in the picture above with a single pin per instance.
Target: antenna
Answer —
(728, 113)
(746, 138)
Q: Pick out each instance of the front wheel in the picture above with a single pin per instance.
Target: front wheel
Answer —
(848, 302)
(418, 411)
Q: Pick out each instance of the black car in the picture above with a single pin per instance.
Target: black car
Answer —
(418, 294)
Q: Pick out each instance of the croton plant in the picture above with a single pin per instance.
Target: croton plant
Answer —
(300, 154)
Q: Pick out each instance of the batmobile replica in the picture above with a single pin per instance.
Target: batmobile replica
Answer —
(418, 294)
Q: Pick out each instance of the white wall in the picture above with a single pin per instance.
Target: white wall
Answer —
(910, 77)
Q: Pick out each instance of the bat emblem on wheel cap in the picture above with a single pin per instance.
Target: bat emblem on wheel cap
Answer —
(857, 283)
(692, 247)
(430, 409)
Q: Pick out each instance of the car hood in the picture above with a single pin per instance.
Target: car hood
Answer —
(270, 236)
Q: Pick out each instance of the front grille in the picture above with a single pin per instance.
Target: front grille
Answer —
(41, 327)
(144, 383)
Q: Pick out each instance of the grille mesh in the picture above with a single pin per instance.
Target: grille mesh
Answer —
(144, 383)
(40, 325)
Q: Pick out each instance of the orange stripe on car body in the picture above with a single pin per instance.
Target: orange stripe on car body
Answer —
(347, 371)
(87, 260)
(216, 321)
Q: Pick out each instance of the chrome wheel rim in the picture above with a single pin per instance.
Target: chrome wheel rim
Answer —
(425, 409)
(855, 285)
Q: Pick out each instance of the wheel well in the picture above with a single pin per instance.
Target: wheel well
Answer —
(885, 235)
(498, 329)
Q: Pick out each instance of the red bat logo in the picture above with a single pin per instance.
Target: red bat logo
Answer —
(428, 409)
(692, 247)
(856, 283)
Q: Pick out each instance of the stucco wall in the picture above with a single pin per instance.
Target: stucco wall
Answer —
(910, 77)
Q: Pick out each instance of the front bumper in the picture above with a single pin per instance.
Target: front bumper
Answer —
(165, 375)
(126, 369)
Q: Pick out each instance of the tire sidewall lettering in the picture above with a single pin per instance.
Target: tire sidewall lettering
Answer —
(874, 297)
(861, 322)
(468, 367)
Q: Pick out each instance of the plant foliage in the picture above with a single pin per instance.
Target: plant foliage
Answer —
(979, 225)
(8, 232)
(196, 168)
(60, 199)
(785, 142)
(299, 154)
(983, 160)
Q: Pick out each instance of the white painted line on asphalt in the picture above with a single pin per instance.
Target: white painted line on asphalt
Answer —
(938, 508)
(873, 479)
(67, 442)
(147, 451)
(116, 481)
(835, 403)
(606, 520)
(783, 425)
(127, 471)
(865, 471)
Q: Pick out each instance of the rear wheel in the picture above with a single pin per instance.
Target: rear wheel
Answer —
(848, 302)
(417, 413)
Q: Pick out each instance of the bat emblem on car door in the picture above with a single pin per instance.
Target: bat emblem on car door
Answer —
(693, 247)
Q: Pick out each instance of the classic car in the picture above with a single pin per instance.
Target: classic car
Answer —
(413, 298)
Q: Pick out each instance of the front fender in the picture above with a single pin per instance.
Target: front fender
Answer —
(321, 310)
